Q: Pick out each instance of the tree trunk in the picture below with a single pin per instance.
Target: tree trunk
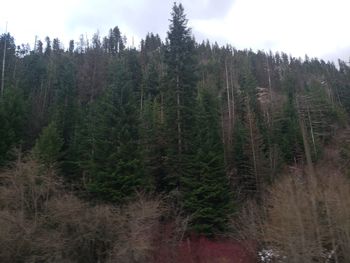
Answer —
(161, 108)
(178, 115)
(141, 100)
(228, 103)
(252, 143)
(233, 83)
(3, 65)
(305, 142)
(311, 130)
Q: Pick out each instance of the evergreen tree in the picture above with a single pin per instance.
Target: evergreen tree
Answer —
(152, 128)
(248, 149)
(65, 113)
(48, 146)
(115, 42)
(180, 93)
(12, 122)
(71, 46)
(48, 48)
(207, 195)
(287, 132)
(39, 48)
(56, 46)
(114, 161)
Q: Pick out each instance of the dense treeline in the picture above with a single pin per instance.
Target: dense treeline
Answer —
(208, 126)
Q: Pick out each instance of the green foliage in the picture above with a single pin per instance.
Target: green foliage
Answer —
(114, 43)
(154, 146)
(110, 142)
(48, 146)
(199, 120)
(180, 95)
(207, 196)
(288, 135)
(12, 122)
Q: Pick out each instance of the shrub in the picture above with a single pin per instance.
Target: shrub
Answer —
(303, 219)
(45, 223)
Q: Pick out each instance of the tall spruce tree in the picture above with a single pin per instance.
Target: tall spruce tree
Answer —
(207, 195)
(111, 139)
(180, 94)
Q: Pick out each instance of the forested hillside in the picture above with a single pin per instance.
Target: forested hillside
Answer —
(194, 132)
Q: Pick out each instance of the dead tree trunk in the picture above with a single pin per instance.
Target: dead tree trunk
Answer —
(3, 65)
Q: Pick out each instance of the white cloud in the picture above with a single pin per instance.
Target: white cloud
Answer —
(26, 19)
(316, 27)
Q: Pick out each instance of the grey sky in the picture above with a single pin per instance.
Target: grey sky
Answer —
(138, 17)
(298, 27)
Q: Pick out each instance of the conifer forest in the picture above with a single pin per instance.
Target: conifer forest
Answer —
(174, 151)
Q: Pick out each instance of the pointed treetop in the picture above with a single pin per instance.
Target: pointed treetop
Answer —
(178, 25)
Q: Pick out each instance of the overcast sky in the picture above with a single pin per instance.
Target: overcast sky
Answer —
(319, 28)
